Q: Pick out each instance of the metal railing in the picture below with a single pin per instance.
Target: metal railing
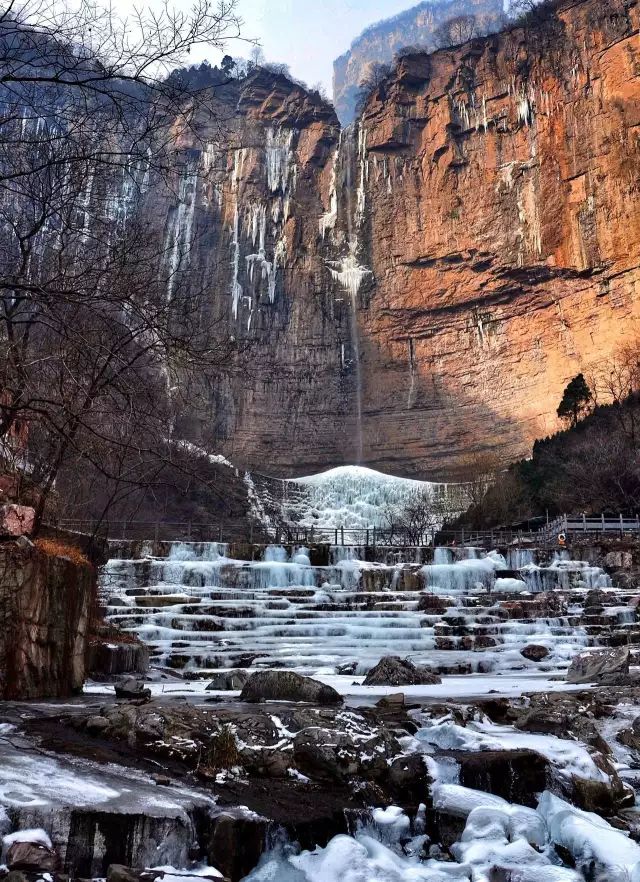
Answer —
(392, 536)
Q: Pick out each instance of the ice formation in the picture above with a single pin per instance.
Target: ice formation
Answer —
(201, 609)
(280, 165)
(353, 497)
(178, 240)
(330, 218)
(510, 840)
(349, 273)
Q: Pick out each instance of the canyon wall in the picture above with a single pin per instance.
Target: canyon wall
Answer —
(417, 289)
(502, 232)
(242, 222)
(45, 604)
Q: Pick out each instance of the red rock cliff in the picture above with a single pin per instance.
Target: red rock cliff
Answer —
(420, 288)
(502, 228)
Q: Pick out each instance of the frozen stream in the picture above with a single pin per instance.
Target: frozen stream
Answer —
(201, 610)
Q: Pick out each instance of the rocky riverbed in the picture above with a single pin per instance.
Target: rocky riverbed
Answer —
(315, 715)
(403, 789)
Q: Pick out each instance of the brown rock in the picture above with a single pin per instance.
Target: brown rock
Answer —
(32, 856)
(288, 686)
(535, 653)
(393, 671)
(605, 667)
(16, 520)
(46, 599)
(516, 775)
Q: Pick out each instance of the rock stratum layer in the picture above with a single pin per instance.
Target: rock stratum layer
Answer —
(420, 288)
(46, 602)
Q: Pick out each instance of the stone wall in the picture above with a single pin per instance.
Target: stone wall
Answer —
(45, 605)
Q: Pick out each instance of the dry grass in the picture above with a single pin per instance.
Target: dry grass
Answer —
(54, 548)
(221, 751)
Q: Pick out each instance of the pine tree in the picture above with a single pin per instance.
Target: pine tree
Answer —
(576, 401)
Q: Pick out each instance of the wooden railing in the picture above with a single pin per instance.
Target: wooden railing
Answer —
(390, 537)
(603, 525)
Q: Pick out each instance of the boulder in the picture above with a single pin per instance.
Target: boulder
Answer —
(395, 701)
(228, 681)
(409, 779)
(394, 671)
(132, 690)
(31, 856)
(535, 653)
(16, 520)
(287, 686)
(322, 753)
(606, 667)
(545, 720)
(631, 737)
(515, 775)
(98, 724)
(602, 797)
(107, 658)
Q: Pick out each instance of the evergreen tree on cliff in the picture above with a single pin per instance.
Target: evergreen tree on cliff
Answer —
(576, 401)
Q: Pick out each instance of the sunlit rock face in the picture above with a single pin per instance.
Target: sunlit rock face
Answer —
(501, 230)
(419, 287)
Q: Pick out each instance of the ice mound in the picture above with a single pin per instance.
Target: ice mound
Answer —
(355, 498)
(497, 835)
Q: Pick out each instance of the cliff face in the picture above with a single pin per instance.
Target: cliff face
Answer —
(379, 43)
(419, 288)
(45, 603)
(250, 197)
(501, 230)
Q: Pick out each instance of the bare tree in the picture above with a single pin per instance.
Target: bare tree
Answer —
(373, 79)
(531, 11)
(616, 382)
(456, 31)
(98, 328)
(480, 472)
(600, 473)
(415, 519)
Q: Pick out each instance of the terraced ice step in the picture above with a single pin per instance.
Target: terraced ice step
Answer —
(199, 609)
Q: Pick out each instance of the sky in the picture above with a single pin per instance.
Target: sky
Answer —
(309, 34)
(305, 34)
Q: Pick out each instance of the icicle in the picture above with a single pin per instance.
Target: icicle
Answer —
(361, 196)
(236, 287)
(349, 273)
(178, 239)
(280, 159)
(329, 219)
